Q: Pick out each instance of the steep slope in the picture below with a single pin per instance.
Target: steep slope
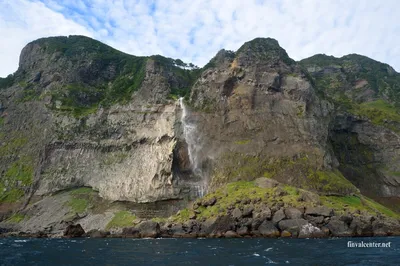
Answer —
(365, 130)
(80, 113)
(92, 135)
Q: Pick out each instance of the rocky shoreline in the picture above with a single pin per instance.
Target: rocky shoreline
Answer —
(310, 222)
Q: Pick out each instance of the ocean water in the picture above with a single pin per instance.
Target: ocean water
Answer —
(17, 251)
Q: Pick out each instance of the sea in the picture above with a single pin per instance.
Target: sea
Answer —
(239, 251)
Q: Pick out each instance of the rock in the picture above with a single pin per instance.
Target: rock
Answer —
(314, 219)
(247, 211)
(339, 228)
(236, 213)
(293, 213)
(278, 216)
(130, 232)
(230, 234)
(74, 231)
(221, 225)
(361, 226)
(310, 231)
(177, 230)
(292, 223)
(209, 202)
(98, 234)
(279, 192)
(149, 229)
(346, 218)
(319, 211)
(243, 230)
(268, 229)
(263, 214)
(286, 234)
(264, 182)
(308, 196)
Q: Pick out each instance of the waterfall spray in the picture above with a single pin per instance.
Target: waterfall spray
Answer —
(192, 139)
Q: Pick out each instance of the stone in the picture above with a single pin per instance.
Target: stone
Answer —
(339, 228)
(319, 211)
(293, 213)
(209, 202)
(230, 234)
(314, 219)
(247, 211)
(221, 225)
(361, 226)
(279, 192)
(264, 182)
(268, 229)
(292, 223)
(236, 213)
(130, 232)
(98, 233)
(149, 229)
(286, 234)
(74, 231)
(243, 230)
(310, 231)
(278, 216)
(308, 196)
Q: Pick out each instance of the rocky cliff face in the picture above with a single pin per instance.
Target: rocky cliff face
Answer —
(78, 113)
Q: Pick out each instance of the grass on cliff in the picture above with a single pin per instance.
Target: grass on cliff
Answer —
(301, 171)
(121, 219)
(16, 218)
(237, 194)
(357, 203)
(80, 199)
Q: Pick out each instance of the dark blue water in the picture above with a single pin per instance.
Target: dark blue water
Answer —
(196, 252)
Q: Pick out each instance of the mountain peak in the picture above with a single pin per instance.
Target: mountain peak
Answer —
(264, 49)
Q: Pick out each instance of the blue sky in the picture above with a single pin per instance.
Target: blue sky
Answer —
(195, 30)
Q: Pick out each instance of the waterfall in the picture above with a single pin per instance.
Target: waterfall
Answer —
(193, 142)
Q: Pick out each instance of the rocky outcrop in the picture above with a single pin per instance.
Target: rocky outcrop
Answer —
(74, 231)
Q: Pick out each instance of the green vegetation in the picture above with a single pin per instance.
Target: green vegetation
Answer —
(121, 219)
(300, 171)
(16, 180)
(356, 203)
(80, 199)
(7, 82)
(235, 194)
(78, 205)
(16, 218)
(378, 112)
(266, 49)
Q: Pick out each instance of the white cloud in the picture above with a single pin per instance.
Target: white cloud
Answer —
(22, 22)
(195, 30)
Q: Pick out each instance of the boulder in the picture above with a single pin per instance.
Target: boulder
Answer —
(243, 230)
(247, 211)
(293, 213)
(221, 225)
(260, 215)
(149, 229)
(314, 219)
(74, 231)
(264, 182)
(230, 234)
(308, 196)
(236, 213)
(98, 233)
(310, 231)
(130, 232)
(361, 226)
(278, 216)
(209, 202)
(319, 211)
(286, 234)
(285, 224)
(268, 229)
(339, 228)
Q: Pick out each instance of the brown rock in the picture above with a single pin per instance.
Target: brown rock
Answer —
(74, 231)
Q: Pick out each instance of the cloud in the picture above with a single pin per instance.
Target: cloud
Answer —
(195, 30)
(22, 22)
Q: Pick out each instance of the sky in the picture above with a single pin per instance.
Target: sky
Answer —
(195, 30)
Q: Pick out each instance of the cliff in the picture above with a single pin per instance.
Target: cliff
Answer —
(88, 132)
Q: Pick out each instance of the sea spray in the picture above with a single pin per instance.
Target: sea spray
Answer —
(194, 146)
